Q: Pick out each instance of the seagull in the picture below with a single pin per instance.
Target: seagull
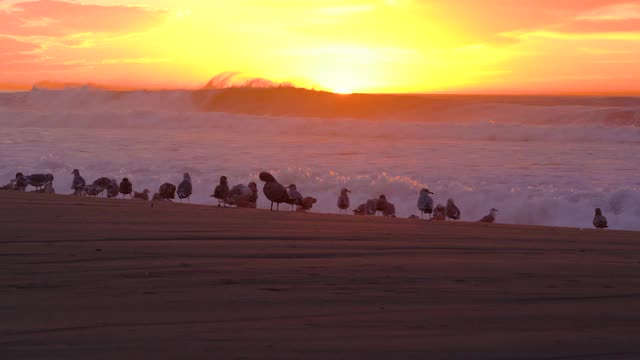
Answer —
(244, 196)
(167, 191)
(307, 203)
(185, 189)
(39, 180)
(142, 195)
(273, 190)
(425, 203)
(126, 187)
(113, 189)
(47, 189)
(368, 208)
(21, 182)
(382, 204)
(452, 210)
(221, 192)
(78, 183)
(343, 200)
(599, 221)
(360, 210)
(98, 186)
(389, 210)
(489, 218)
(439, 213)
(10, 186)
(295, 198)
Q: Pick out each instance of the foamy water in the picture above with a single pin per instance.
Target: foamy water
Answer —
(546, 165)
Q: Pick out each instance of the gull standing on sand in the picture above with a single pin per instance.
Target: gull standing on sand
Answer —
(307, 203)
(389, 210)
(382, 204)
(343, 200)
(142, 195)
(295, 198)
(98, 186)
(452, 210)
(185, 188)
(167, 191)
(273, 190)
(113, 189)
(78, 183)
(244, 196)
(47, 189)
(126, 187)
(599, 221)
(362, 209)
(489, 218)
(425, 203)
(439, 213)
(21, 182)
(39, 180)
(221, 192)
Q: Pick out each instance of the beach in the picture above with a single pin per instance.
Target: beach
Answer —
(95, 278)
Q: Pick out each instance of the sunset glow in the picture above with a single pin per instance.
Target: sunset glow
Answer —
(508, 46)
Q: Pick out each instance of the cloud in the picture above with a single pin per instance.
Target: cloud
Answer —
(136, 61)
(613, 12)
(10, 45)
(58, 18)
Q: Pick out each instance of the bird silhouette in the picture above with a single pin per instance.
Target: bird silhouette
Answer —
(343, 200)
(452, 210)
(221, 192)
(599, 221)
(273, 190)
(185, 188)
(425, 203)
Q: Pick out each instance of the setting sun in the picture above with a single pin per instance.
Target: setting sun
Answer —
(341, 46)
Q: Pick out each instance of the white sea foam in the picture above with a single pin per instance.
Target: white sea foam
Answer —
(538, 164)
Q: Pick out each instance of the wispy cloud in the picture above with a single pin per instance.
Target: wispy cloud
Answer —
(615, 12)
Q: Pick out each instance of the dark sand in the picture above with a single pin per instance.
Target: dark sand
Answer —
(113, 279)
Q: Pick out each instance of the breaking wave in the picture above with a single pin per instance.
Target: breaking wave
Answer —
(539, 160)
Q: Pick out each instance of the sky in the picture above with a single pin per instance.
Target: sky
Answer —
(387, 46)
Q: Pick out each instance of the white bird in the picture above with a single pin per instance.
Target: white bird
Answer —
(343, 200)
(489, 218)
(425, 203)
(599, 221)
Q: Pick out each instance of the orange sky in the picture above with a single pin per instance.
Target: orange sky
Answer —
(493, 46)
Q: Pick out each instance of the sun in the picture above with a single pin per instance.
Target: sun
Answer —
(342, 91)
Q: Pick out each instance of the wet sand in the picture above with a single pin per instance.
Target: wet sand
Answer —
(102, 279)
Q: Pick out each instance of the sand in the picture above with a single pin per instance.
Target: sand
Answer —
(116, 279)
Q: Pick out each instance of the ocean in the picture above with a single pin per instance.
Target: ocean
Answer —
(540, 160)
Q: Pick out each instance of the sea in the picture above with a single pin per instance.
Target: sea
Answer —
(539, 160)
